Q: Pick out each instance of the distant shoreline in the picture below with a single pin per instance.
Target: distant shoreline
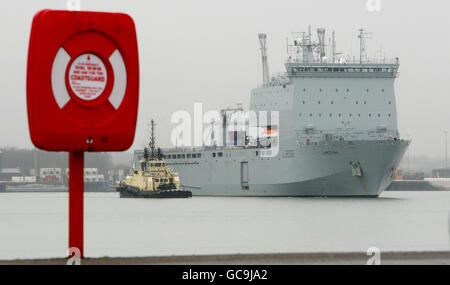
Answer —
(350, 258)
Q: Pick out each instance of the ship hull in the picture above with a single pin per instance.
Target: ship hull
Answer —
(314, 171)
(132, 192)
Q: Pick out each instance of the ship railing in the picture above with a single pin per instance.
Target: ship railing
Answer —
(347, 134)
(341, 70)
(348, 61)
(212, 148)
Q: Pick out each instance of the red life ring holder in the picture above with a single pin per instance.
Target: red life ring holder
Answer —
(82, 81)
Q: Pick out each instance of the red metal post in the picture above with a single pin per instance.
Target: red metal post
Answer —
(76, 191)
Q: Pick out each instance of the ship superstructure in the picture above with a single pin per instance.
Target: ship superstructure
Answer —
(334, 134)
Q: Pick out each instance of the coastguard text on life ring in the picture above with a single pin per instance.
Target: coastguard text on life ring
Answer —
(87, 77)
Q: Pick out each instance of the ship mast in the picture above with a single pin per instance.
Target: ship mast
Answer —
(152, 138)
(363, 35)
(265, 65)
(321, 35)
(333, 48)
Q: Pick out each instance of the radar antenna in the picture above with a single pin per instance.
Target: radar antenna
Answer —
(363, 35)
(265, 65)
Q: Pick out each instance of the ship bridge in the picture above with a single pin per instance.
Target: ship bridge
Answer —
(329, 95)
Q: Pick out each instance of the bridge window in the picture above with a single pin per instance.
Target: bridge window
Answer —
(188, 155)
(220, 154)
(199, 155)
(194, 155)
(178, 156)
(183, 156)
(214, 154)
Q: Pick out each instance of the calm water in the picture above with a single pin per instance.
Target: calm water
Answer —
(35, 225)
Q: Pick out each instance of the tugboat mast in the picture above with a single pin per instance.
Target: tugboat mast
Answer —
(152, 138)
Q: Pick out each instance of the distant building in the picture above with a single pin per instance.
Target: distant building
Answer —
(6, 174)
(50, 175)
(441, 173)
(90, 175)
(23, 179)
(413, 176)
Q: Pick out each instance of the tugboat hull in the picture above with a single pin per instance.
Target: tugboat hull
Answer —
(132, 192)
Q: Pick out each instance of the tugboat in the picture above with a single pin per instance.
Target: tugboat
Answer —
(152, 178)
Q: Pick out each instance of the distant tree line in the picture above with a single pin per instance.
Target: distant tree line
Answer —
(12, 157)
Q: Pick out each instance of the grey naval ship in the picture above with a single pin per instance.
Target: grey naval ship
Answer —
(336, 133)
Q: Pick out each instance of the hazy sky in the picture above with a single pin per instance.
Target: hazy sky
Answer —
(207, 51)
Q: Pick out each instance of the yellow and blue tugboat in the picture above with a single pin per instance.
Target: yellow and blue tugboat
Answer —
(152, 178)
